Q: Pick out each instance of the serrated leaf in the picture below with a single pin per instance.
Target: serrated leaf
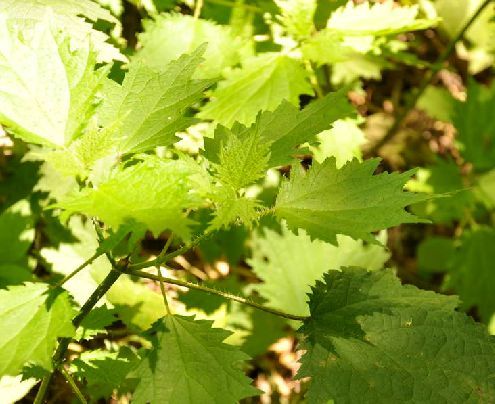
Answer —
(385, 18)
(326, 201)
(260, 84)
(471, 271)
(125, 195)
(95, 322)
(475, 125)
(47, 90)
(14, 388)
(151, 103)
(190, 364)
(31, 320)
(169, 35)
(370, 338)
(284, 129)
(231, 208)
(288, 264)
(297, 16)
(67, 16)
(104, 371)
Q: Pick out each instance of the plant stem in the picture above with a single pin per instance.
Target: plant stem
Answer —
(226, 295)
(73, 384)
(59, 354)
(197, 9)
(89, 261)
(436, 67)
(162, 259)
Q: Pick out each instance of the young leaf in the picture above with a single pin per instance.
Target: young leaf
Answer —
(31, 320)
(151, 103)
(259, 85)
(283, 130)
(47, 90)
(170, 35)
(326, 201)
(370, 337)
(190, 364)
(125, 196)
(288, 264)
(471, 271)
(297, 17)
(66, 17)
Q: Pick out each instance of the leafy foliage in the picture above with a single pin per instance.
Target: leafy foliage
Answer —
(35, 318)
(190, 363)
(259, 85)
(172, 182)
(147, 95)
(57, 83)
(356, 201)
(168, 36)
(367, 334)
(232, 152)
(289, 264)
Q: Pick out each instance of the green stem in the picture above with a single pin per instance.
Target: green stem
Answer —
(226, 295)
(63, 345)
(89, 261)
(437, 66)
(162, 259)
(73, 385)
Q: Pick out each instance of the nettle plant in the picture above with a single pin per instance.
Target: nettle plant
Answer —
(112, 169)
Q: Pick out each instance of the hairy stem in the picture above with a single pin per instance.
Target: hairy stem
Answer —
(73, 385)
(59, 354)
(226, 295)
(428, 77)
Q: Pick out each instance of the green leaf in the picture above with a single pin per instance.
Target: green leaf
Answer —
(190, 364)
(475, 126)
(326, 47)
(283, 130)
(441, 178)
(169, 35)
(260, 84)
(151, 103)
(14, 388)
(471, 271)
(326, 201)
(385, 18)
(125, 196)
(434, 254)
(370, 337)
(47, 89)
(288, 264)
(343, 142)
(65, 16)
(104, 371)
(438, 103)
(95, 322)
(231, 208)
(31, 320)
(297, 17)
